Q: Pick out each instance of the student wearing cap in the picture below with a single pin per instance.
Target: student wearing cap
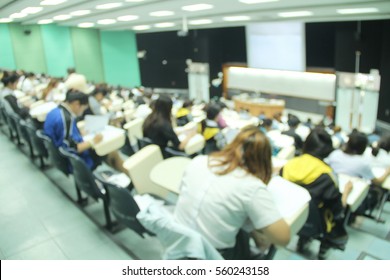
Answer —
(60, 125)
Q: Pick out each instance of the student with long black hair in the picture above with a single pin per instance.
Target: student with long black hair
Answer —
(158, 125)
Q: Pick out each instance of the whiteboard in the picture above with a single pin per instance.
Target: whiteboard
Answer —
(290, 83)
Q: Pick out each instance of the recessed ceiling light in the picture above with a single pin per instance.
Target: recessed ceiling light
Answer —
(162, 13)
(357, 11)
(32, 10)
(164, 24)
(197, 7)
(296, 14)
(200, 21)
(51, 2)
(86, 24)
(256, 1)
(45, 21)
(106, 21)
(141, 27)
(5, 20)
(62, 17)
(109, 6)
(18, 15)
(236, 18)
(80, 13)
(127, 18)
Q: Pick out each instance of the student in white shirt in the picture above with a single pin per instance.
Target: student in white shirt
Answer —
(350, 161)
(226, 191)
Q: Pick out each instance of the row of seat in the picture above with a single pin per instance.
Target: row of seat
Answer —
(117, 201)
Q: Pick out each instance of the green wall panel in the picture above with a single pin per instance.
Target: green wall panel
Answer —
(87, 53)
(58, 49)
(119, 52)
(28, 47)
(7, 59)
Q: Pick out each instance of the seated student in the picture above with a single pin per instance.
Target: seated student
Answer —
(373, 137)
(158, 125)
(60, 125)
(293, 123)
(309, 123)
(183, 115)
(382, 151)
(211, 131)
(227, 191)
(8, 99)
(94, 99)
(28, 84)
(266, 126)
(49, 93)
(350, 161)
(311, 172)
(220, 120)
(338, 134)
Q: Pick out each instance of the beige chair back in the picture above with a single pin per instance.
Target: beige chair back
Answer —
(195, 144)
(134, 130)
(139, 167)
(286, 152)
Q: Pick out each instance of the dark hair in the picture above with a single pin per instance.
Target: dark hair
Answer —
(73, 95)
(318, 143)
(9, 78)
(161, 112)
(187, 103)
(99, 90)
(267, 123)
(293, 121)
(250, 150)
(357, 143)
(212, 111)
(70, 70)
(384, 143)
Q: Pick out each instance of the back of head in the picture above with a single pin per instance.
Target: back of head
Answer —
(161, 112)
(9, 78)
(293, 121)
(318, 143)
(337, 128)
(187, 103)
(212, 111)
(74, 95)
(357, 143)
(30, 75)
(70, 70)
(98, 90)
(163, 106)
(384, 143)
(277, 116)
(267, 123)
(250, 150)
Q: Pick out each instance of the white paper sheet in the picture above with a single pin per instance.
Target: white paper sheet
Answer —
(95, 124)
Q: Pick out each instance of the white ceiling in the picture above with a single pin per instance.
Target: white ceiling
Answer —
(322, 10)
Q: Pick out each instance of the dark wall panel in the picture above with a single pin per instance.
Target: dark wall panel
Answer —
(320, 45)
(370, 38)
(166, 53)
(384, 97)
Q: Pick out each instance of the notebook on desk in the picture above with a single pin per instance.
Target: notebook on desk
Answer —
(95, 124)
(288, 197)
